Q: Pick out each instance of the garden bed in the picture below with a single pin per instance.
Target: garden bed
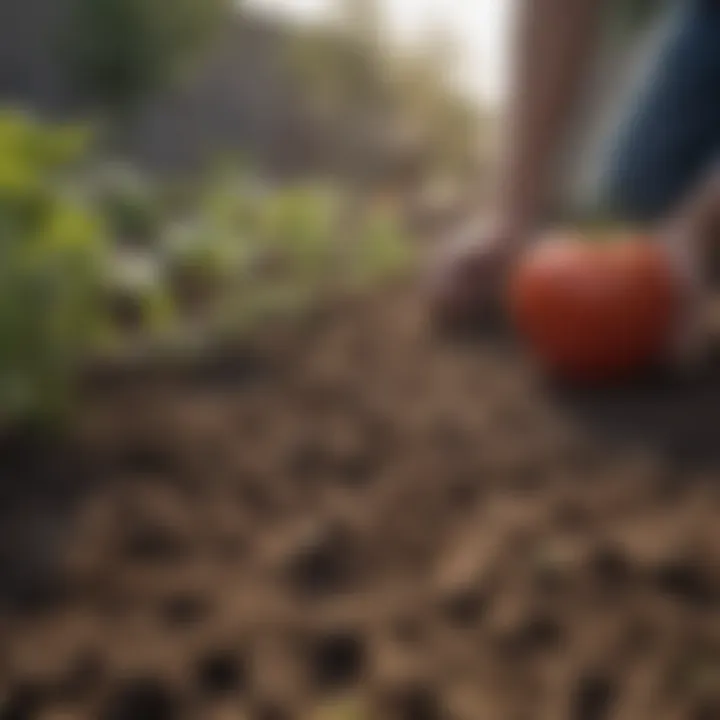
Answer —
(360, 520)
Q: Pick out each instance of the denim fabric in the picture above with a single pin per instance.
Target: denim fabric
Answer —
(672, 135)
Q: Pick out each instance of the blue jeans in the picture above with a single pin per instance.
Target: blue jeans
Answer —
(672, 136)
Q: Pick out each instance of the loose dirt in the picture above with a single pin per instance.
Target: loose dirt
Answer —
(365, 520)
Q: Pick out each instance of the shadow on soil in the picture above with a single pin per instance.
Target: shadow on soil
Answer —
(40, 482)
(675, 417)
(44, 476)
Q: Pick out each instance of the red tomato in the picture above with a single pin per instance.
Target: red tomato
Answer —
(594, 311)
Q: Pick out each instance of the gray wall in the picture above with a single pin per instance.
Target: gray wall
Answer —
(238, 98)
(29, 42)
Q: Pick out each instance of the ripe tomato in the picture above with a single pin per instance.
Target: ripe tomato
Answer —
(595, 310)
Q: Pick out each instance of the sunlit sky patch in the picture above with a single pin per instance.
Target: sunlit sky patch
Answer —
(480, 27)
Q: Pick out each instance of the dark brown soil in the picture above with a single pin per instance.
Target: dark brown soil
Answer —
(369, 516)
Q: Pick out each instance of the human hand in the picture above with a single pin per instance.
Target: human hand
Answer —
(689, 339)
(692, 236)
(468, 274)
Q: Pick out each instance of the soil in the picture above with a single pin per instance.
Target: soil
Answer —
(365, 520)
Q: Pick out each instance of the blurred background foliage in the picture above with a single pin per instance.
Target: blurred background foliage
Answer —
(119, 51)
(52, 253)
(352, 89)
(358, 79)
(102, 257)
(95, 259)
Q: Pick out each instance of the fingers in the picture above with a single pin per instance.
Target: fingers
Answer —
(688, 344)
(469, 273)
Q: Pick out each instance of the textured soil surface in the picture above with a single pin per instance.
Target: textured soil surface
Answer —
(366, 521)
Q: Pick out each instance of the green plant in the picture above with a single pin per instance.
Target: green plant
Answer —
(382, 248)
(300, 226)
(138, 296)
(129, 201)
(261, 252)
(52, 260)
(209, 244)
